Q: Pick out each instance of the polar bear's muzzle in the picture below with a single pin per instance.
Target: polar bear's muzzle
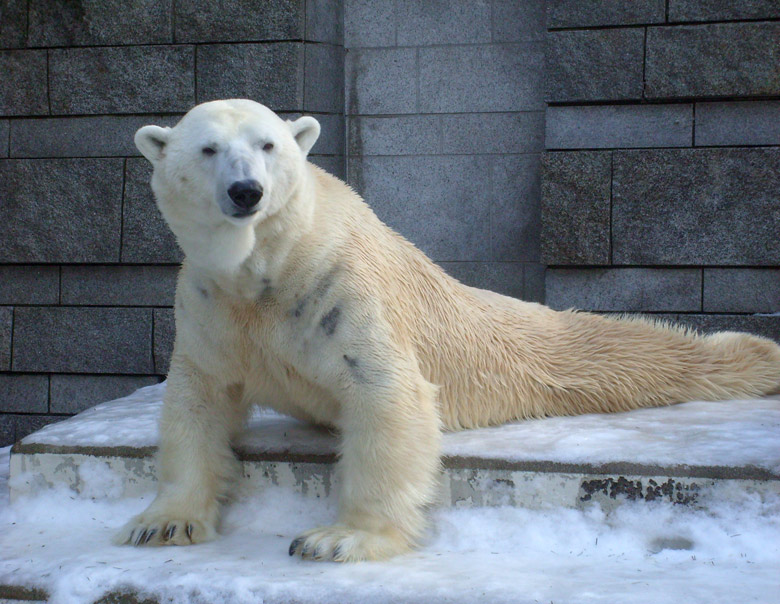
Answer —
(245, 195)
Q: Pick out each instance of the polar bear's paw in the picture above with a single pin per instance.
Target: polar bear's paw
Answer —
(147, 529)
(341, 543)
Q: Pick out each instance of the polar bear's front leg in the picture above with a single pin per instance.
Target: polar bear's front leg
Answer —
(389, 462)
(195, 462)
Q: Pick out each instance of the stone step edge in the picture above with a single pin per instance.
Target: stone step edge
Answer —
(747, 472)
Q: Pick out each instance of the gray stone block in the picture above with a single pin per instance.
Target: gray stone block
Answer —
(696, 206)
(767, 326)
(624, 289)
(438, 202)
(615, 126)
(325, 21)
(738, 123)
(742, 290)
(397, 135)
(23, 85)
(722, 10)
(271, 74)
(595, 65)
(29, 284)
(369, 23)
(6, 329)
(333, 164)
(60, 210)
(5, 138)
(24, 393)
(575, 207)
(99, 23)
(500, 133)
(421, 22)
(495, 77)
(575, 13)
(13, 23)
(75, 393)
(131, 79)
(102, 136)
(513, 188)
(533, 282)
(119, 285)
(164, 336)
(715, 60)
(368, 74)
(145, 234)
(502, 277)
(515, 21)
(83, 340)
(323, 82)
(239, 20)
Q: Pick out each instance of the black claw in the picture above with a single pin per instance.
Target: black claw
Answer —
(188, 530)
(294, 546)
(141, 538)
(130, 538)
(149, 535)
(336, 552)
(170, 532)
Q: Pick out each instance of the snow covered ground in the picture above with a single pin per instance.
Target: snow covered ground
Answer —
(635, 554)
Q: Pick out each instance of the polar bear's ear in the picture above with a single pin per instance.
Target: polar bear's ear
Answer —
(306, 130)
(151, 141)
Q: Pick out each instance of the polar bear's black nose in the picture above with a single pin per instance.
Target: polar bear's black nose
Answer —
(245, 193)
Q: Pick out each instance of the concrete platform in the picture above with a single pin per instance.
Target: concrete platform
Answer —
(688, 453)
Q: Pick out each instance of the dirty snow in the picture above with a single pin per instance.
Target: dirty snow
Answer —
(635, 554)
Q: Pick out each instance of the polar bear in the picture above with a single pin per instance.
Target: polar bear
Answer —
(293, 295)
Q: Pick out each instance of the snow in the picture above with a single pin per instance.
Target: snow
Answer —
(635, 554)
(724, 433)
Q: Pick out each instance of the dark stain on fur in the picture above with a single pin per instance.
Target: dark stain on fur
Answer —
(318, 292)
(330, 321)
(203, 292)
(355, 370)
(267, 289)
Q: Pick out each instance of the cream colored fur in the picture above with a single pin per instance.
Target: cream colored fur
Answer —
(317, 309)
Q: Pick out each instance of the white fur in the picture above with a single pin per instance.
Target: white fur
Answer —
(314, 307)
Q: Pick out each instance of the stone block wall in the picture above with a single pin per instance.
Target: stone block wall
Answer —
(445, 113)
(661, 175)
(87, 265)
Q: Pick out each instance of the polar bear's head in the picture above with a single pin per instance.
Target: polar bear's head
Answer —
(225, 167)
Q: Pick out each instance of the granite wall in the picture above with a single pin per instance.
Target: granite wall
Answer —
(661, 176)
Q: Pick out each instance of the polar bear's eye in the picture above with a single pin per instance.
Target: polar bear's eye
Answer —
(268, 146)
(208, 151)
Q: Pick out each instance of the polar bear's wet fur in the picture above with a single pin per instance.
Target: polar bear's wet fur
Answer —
(294, 295)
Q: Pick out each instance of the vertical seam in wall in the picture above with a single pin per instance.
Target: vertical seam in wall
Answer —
(195, 71)
(666, 16)
(173, 21)
(303, 78)
(154, 361)
(701, 302)
(48, 81)
(644, 65)
(27, 24)
(611, 185)
(13, 325)
(122, 209)
(693, 125)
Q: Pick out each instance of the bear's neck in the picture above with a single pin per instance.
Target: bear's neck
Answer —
(241, 260)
